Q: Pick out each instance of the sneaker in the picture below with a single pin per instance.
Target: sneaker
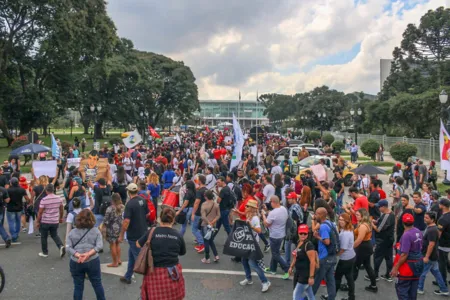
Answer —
(344, 287)
(200, 249)
(388, 278)
(323, 297)
(440, 293)
(62, 251)
(246, 282)
(368, 279)
(435, 283)
(420, 292)
(268, 271)
(372, 289)
(24, 229)
(266, 248)
(265, 286)
(38, 235)
(206, 261)
(124, 280)
(8, 244)
(216, 259)
(42, 254)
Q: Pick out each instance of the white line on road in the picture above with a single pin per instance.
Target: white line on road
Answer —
(13, 244)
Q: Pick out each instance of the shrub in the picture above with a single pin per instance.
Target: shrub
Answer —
(327, 139)
(402, 151)
(338, 146)
(370, 148)
(115, 140)
(66, 146)
(313, 135)
(306, 136)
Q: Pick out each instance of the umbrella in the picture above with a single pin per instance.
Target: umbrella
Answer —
(30, 149)
(225, 124)
(368, 169)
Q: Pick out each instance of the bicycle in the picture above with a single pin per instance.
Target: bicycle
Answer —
(2, 279)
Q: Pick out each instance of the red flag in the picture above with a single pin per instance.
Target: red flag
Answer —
(153, 133)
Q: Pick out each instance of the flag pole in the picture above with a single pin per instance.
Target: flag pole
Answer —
(239, 107)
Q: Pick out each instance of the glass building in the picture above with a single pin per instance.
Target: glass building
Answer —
(249, 113)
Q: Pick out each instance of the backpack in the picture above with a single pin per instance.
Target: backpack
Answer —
(74, 217)
(433, 174)
(335, 246)
(106, 201)
(151, 217)
(235, 194)
(290, 229)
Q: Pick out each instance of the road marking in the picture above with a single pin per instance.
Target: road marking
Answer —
(13, 244)
(121, 270)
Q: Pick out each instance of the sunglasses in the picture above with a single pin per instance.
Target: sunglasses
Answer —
(303, 233)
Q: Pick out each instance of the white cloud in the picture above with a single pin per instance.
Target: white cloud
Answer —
(263, 45)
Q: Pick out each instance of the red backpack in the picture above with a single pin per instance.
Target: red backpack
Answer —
(151, 217)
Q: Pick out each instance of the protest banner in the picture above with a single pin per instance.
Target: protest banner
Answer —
(45, 167)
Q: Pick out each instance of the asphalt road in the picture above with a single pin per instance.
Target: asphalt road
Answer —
(29, 276)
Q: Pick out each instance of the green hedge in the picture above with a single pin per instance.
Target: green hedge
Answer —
(402, 151)
(327, 139)
(370, 148)
(313, 135)
(338, 146)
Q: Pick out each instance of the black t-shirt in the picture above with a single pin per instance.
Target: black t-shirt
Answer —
(3, 181)
(338, 185)
(431, 235)
(136, 211)
(99, 192)
(302, 262)
(444, 227)
(15, 194)
(167, 244)
(39, 195)
(386, 225)
(400, 227)
(435, 207)
(225, 195)
(200, 195)
(190, 196)
(3, 197)
(374, 197)
(7, 171)
(419, 222)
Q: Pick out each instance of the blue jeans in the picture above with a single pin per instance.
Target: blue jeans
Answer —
(209, 243)
(263, 238)
(433, 267)
(251, 263)
(195, 231)
(98, 220)
(3, 232)
(303, 288)
(326, 271)
(14, 223)
(92, 269)
(411, 178)
(133, 253)
(287, 251)
(354, 156)
(224, 220)
(275, 245)
(188, 212)
(339, 203)
(406, 289)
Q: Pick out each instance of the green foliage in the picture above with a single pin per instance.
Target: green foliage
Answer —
(115, 140)
(338, 146)
(370, 148)
(402, 151)
(328, 139)
(313, 135)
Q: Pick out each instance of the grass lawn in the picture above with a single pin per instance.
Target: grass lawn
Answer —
(4, 150)
(380, 163)
(360, 159)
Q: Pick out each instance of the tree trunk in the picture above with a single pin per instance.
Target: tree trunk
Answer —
(6, 134)
(44, 128)
(98, 130)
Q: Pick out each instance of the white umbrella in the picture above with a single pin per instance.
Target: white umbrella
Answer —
(225, 124)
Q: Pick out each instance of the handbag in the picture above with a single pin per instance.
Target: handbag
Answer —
(181, 218)
(144, 261)
(201, 221)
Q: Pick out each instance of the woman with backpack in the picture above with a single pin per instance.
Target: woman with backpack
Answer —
(112, 225)
(70, 220)
(396, 194)
(304, 263)
(155, 188)
(432, 171)
(120, 181)
(296, 214)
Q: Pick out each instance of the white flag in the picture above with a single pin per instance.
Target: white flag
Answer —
(177, 137)
(238, 144)
(132, 139)
(444, 146)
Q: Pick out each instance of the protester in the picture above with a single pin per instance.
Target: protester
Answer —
(444, 237)
(296, 214)
(71, 216)
(226, 204)
(112, 224)
(406, 209)
(14, 207)
(347, 255)
(419, 212)
(84, 243)
(361, 201)
(196, 214)
(120, 182)
(155, 189)
(211, 213)
(4, 200)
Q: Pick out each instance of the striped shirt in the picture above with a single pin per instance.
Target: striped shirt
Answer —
(51, 205)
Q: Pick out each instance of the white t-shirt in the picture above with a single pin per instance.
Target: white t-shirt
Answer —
(255, 223)
(127, 163)
(275, 170)
(112, 169)
(346, 240)
(268, 191)
(210, 181)
(212, 163)
(277, 219)
(175, 163)
(70, 215)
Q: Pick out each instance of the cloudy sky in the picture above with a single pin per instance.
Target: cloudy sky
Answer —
(272, 46)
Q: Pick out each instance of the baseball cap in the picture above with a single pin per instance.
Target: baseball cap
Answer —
(382, 203)
(291, 195)
(303, 228)
(132, 187)
(408, 218)
(445, 202)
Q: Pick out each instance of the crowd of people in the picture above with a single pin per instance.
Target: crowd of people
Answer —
(314, 235)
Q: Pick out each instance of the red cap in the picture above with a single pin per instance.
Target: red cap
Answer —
(22, 179)
(291, 195)
(303, 228)
(408, 218)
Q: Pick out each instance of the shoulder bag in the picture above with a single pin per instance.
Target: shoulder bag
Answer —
(144, 261)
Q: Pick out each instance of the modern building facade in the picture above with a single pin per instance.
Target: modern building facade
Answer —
(248, 113)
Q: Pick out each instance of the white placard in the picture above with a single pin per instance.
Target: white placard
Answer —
(46, 167)
(73, 162)
(319, 172)
(97, 146)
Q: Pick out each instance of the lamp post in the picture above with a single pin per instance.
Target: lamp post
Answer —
(443, 97)
(304, 120)
(322, 117)
(352, 113)
(144, 117)
(71, 120)
(96, 111)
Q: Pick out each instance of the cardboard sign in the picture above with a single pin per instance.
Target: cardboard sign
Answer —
(93, 168)
(46, 167)
(73, 162)
(319, 171)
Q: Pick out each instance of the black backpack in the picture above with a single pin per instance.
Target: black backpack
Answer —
(291, 228)
(106, 201)
(335, 246)
(235, 194)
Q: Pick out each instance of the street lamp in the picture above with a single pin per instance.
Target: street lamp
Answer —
(443, 97)
(304, 120)
(352, 113)
(322, 117)
(144, 117)
(71, 120)
(96, 111)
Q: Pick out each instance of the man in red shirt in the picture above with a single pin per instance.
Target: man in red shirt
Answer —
(361, 201)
